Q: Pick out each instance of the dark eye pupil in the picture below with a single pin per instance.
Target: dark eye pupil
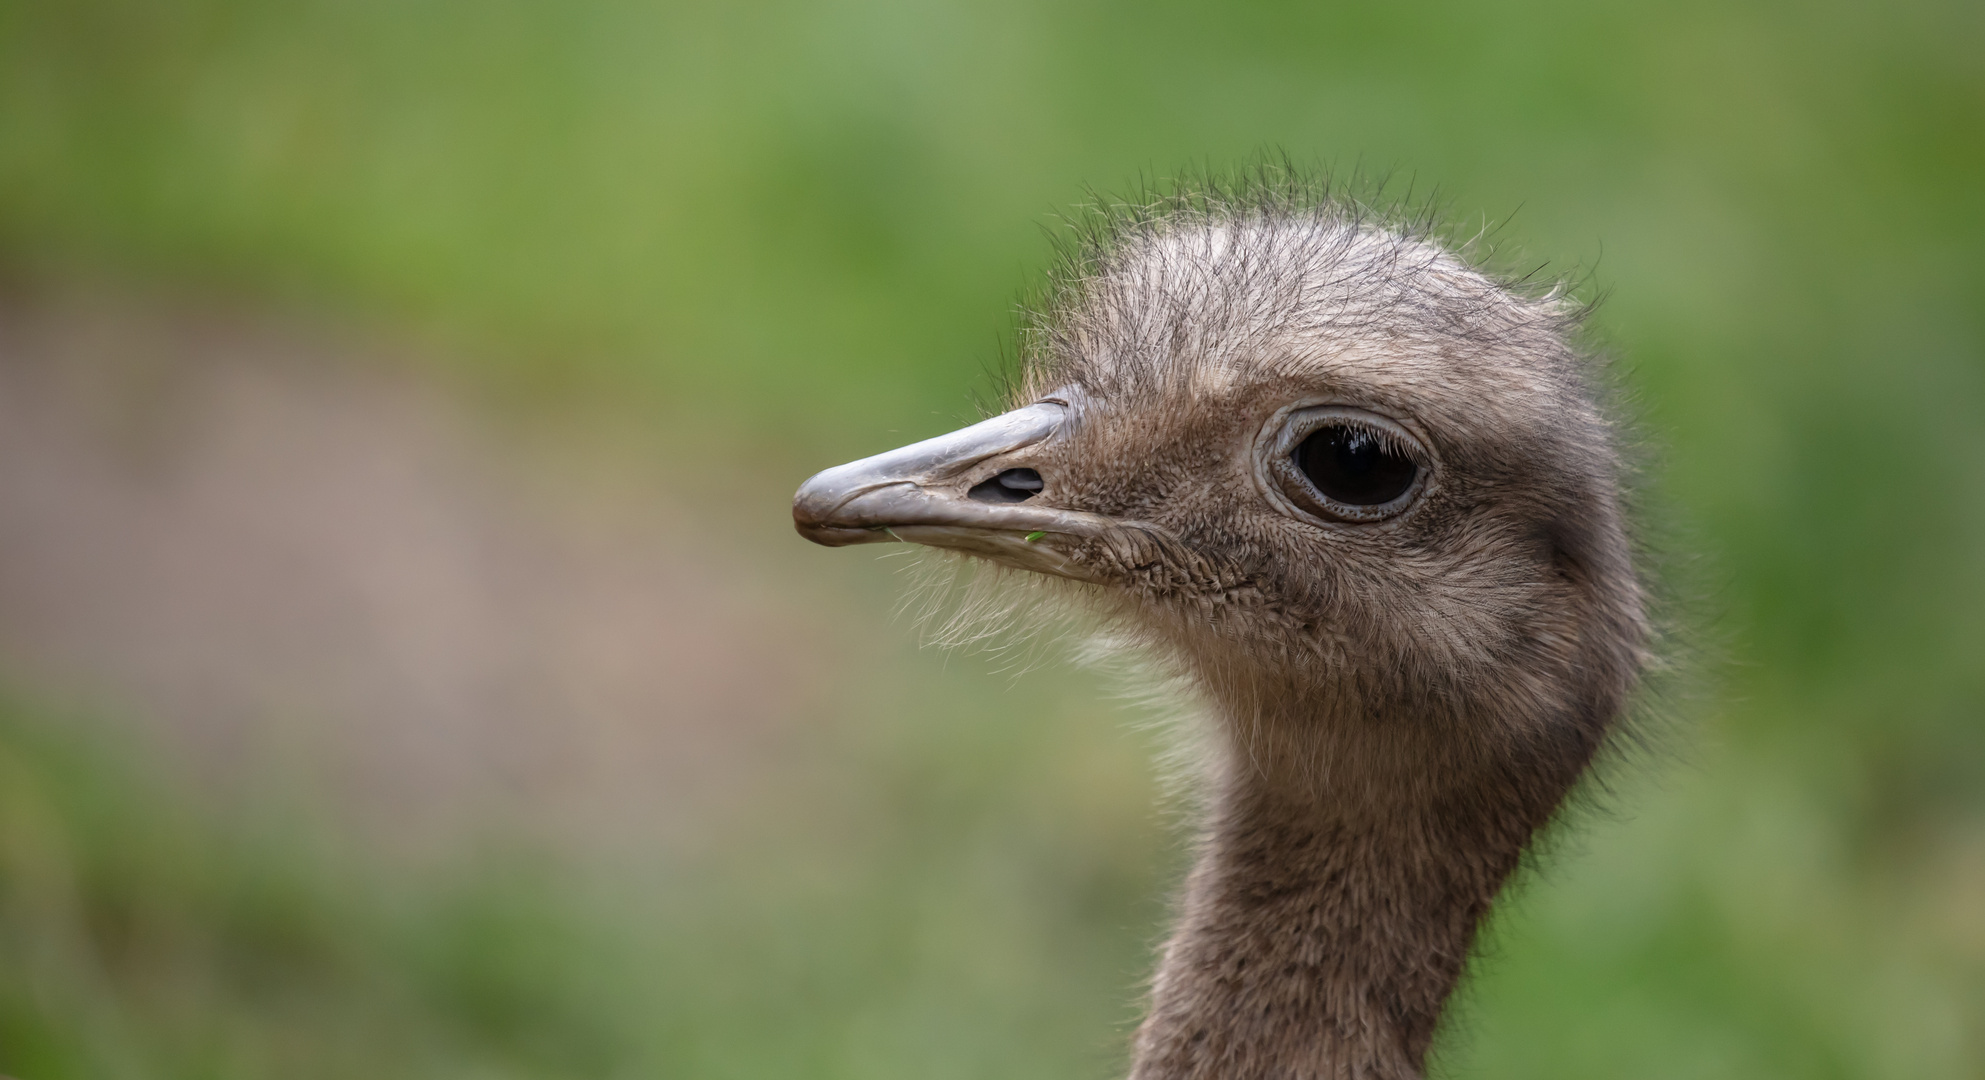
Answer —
(1351, 465)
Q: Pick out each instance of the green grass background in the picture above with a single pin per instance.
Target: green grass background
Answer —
(781, 230)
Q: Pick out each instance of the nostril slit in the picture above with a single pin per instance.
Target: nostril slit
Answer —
(1011, 486)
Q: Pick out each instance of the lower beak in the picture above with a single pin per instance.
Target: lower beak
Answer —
(922, 493)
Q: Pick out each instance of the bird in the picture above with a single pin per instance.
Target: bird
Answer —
(1369, 502)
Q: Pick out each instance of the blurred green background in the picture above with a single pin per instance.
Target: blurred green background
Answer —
(651, 264)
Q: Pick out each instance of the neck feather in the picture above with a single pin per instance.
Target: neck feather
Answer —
(1336, 896)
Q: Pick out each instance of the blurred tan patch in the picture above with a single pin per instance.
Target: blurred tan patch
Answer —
(288, 558)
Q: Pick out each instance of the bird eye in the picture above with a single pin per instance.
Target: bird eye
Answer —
(1344, 464)
(1353, 465)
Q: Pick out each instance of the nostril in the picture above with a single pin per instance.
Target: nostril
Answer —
(1011, 486)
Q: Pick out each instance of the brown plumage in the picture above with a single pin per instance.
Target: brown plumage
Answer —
(1365, 497)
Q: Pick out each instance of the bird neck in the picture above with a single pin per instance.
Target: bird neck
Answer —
(1333, 906)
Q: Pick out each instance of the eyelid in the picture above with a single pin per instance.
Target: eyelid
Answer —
(1301, 423)
(1388, 441)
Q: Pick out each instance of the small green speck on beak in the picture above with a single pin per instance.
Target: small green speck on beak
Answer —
(1033, 536)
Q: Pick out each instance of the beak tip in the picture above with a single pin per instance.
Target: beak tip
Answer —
(814, 506)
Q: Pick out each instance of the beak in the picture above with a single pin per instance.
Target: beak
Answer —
(924, 493)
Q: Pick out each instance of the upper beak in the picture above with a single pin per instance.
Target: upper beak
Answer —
(921, 494)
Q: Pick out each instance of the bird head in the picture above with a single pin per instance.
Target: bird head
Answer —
(1308, 456)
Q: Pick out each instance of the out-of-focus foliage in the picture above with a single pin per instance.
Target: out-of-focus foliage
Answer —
(793, 227)
(945, 898)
